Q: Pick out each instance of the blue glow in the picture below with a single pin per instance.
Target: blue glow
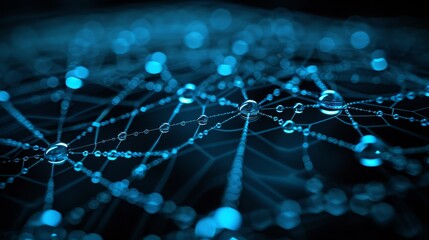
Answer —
(289, 214)
(288, 220)
(227, 217)
(51, 218)
(330, 102)
(120, 46)
(367, 162)
(206, 227)
(369, 150)
(240, 47)
(57, 153)
(312, 69)
(4, 96)
(159, 57)
(379, 64)
(249, 109)
(194, 40)
(52, 82)
(74, 83)
(81, 72)
(326, 44)
(360, 40)
(224, 69)
(153, 67)
(230, 60)
(186, 93)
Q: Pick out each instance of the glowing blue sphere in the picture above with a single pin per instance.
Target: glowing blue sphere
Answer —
(228, 218)
(206, 227)
(289, 126)
(202, 120)
(249, 109)
(164, 128)
(4, 96)
(330, 102)
(186, 93)
(50, 218)
(369, 151)
(57, 153)
(379, 64)
(360, 40)
(153, 67)
(74, 83)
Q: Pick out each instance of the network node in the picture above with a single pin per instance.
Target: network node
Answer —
(4, 96)
(122, 136)
(330, 102)
(249, 109)
(164, 128)
(279, 108)
(289, 126)
(228, 218)
(369, 151)
(299, 108)
(57, 153)
(186, 93)
(202, 120)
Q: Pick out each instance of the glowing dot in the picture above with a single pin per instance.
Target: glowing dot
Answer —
(24, 171)
(74, 82)
(164, 128)
(249, 108)
(54, 236)
(379, 113)
(330, 102)
(122, 136)
(369, 151)
(153, 202)
(51, 218)
(81, 72)
(96, 177)
(112, 155)
(57, 153)
(360, 40)
(227, 217)
(224, 69)
(78, 166)
(379, 64)
(206, 227)
(159, 57)
(279, 108)
(289, 218)
(314, 185)
(289, 126)
(240, 47)
(326, 44)
(299, 108)
(395, 116)
(4, 96)
(202, 120)
(153, 67)
(186, 93)
(194, 40)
